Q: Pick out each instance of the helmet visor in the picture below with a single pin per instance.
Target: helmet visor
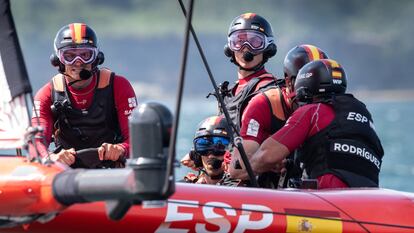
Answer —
(69, 56)
(211, 145)
(256, 41)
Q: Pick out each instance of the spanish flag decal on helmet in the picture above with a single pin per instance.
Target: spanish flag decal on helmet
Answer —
(313, 52)
(214, 120)
(335, 67)
(78, 31)
(248, 15)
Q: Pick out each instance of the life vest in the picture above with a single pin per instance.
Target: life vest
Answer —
(88, 128)
(266, 84)
(348, 147)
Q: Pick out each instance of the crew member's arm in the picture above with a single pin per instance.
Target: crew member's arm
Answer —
(42, 116)
(276, 148)
(125, 102)
(237, 169)
(256, 123)
(269, 156)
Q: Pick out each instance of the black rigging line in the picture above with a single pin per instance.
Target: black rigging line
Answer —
(232, 127)
(337, 207)
(171, 152)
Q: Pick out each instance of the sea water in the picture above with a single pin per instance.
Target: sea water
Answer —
(394, 123)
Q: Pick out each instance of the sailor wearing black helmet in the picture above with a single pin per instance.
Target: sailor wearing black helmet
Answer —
(210, 145)
(268, 109)
(83, 106)
(333, 131)
(250, 43)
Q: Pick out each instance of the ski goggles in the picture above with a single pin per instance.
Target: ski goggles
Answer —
(69, 56)
(256, 41)
(211, 145)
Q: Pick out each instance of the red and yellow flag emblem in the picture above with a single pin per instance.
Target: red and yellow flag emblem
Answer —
(78, 31)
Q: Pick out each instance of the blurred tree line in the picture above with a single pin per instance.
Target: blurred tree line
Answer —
(372, 39)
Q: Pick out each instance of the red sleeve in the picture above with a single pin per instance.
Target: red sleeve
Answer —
(256, 120)
(42, 103)
(125, 102)
(305, 122)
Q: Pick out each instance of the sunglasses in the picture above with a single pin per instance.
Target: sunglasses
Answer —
(215, 145)
(69, 56)
(255, 40)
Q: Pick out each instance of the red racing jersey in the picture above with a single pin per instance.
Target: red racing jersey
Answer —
(257, 118)
(305, 122)
(124, 98)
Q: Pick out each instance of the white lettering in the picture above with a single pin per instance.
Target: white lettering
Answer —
(337, 147)
(245, 220)
(174, 216)
(306, 75)
(245, 223)
(345, 147)
(216, 219)
(353, 116)
(352, 149)
(357, 151)
(336, 81)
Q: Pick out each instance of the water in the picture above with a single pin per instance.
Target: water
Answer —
(393, 121)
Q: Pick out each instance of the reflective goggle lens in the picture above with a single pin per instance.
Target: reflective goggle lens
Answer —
(68, 56)
(211, 145)
(253, 39)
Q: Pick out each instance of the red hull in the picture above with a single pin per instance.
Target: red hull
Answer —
(26, 187)
(190, 209)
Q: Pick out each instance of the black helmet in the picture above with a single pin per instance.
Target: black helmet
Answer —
(75, 35)
(298, 56)
(213, 126)
(253, 22)
(321, 78)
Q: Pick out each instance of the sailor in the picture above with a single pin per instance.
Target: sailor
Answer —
(333, 131)
(258, 104)
(250, 43)
(83, 106)
(210, 144)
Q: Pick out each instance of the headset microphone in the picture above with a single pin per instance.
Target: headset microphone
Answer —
(248, 56)
(216, 163)
(85, 74)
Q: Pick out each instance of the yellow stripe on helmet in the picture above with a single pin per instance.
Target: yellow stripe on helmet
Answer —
(314, 52)
(78, 32)
(333, 63)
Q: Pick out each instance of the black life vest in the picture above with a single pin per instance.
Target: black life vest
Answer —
(348, 148)
(236, 104)
(270, 87)
(89, 128)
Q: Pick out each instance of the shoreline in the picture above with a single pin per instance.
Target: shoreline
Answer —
(406, 95)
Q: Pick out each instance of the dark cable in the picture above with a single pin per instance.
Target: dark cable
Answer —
(171, 153)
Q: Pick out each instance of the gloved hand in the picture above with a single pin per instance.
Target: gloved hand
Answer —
(64, 156)
(188, 162)
(109, 151)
